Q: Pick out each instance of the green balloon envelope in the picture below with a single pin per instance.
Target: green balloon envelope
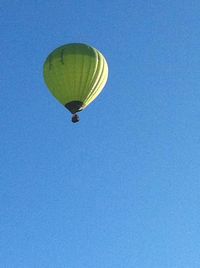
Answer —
(75, 74)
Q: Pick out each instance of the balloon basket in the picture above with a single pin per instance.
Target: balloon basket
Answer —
(75, 118)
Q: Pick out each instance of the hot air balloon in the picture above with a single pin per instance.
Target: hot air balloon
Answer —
(75, 74)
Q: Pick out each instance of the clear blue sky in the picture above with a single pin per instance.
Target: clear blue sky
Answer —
(121, 189)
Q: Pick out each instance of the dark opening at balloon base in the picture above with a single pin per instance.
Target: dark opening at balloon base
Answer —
(75, 118)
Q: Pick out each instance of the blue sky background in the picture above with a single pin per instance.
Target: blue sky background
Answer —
(122, 187)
